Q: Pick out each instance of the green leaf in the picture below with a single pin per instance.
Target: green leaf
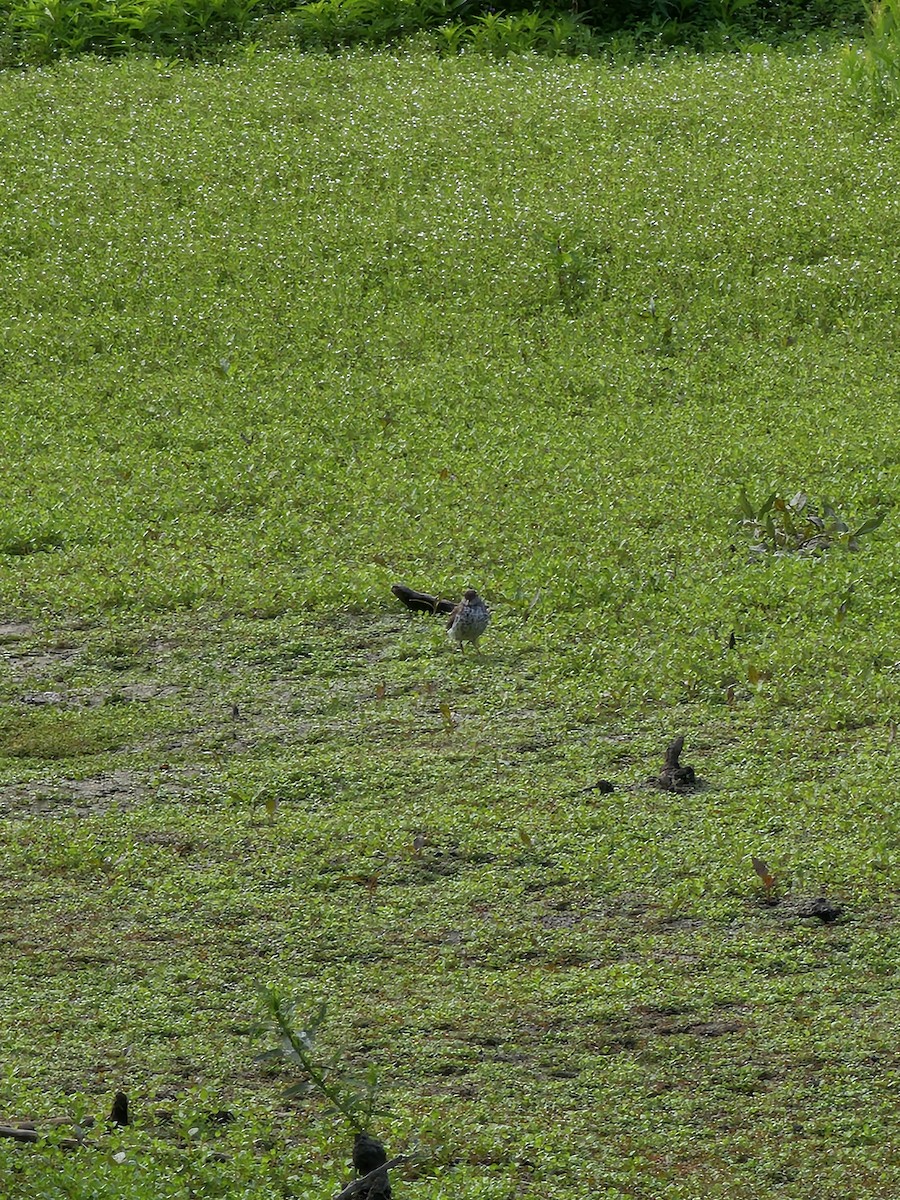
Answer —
(767, 505)
(535, 601)
(299, 1089)
(745, 506)
(870, 526)
(770, 530)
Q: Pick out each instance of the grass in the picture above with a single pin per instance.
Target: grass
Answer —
(281, 332)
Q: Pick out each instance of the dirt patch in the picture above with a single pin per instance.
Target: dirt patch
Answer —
(629, 908)
(642, 1025)
(95, 794)
(132, 692)
(561, 919)
(39, 662)
(672, 1022)
(14, 631)
(43, 699)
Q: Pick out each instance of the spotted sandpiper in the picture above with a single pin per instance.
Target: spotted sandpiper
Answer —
(469, 620)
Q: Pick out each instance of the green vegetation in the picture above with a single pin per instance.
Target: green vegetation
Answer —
(280, 332)
(874, 67)
(39, 32)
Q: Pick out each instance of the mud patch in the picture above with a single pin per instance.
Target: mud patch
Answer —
(562, 917)
(41, 699)
(40, 662)
(673, 1022)
(14, 631)
(93, 795)
(128, 693)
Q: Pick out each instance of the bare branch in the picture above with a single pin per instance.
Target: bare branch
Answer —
(32, 1135)
(355, 1184)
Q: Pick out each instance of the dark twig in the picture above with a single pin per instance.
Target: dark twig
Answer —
(32, 1135)
(364, 1180)
(421, 601)
(119, 1114)
(674, 777)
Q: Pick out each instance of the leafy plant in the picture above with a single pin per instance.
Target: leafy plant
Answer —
(796, 526)
(575, 266)
(761, 867)
(873, 69)
(344, 1093)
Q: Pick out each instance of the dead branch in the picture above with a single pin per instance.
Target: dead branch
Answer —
(355, 1184)
(32, 1135)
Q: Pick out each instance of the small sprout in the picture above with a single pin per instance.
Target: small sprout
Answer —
(844, 605)
(351, 1096)
(535, 601)
(109, 866)
(450, 720)
(761, 867)
(369, 882)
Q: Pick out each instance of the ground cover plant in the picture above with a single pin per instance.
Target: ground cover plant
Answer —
(280, 333)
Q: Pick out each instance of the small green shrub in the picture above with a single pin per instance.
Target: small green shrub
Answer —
(329, 24)
(39, 33)
(796, 526)
(873, 69)
(19, 545)
(350, 1097)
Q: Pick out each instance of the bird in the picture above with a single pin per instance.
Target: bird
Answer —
(469, 620)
